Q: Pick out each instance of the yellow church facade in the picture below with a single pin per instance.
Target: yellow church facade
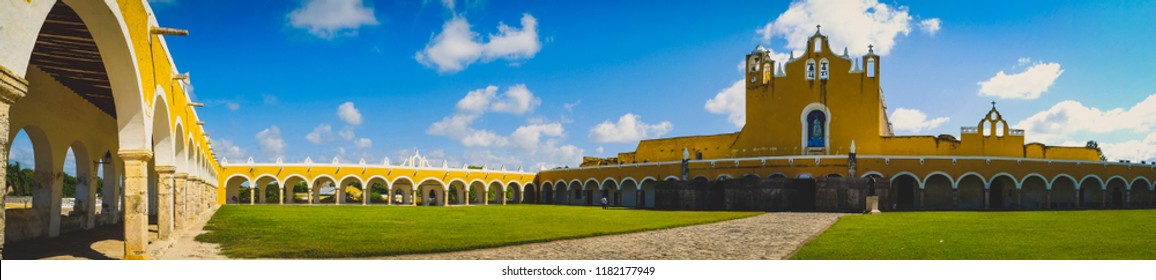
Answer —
(817, 137)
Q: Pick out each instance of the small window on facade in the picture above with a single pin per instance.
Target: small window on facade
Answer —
(698, 156)
(871, 68)
(818, 45)
(823, 73)
(810, 70)
(754, 64)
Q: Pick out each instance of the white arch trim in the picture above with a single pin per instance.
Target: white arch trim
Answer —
(997, 175)
(1138, 179)
(1103, 186)
(1047, 185)
(928, 177)
(826, 126)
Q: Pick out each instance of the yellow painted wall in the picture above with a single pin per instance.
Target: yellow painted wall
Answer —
(854, 106)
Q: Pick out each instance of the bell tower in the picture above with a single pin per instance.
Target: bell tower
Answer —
(760, 68)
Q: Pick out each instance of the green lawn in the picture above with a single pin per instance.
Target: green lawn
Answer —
(1080, 235)
(271, 231)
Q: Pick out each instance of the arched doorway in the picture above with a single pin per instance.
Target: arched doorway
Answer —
(1064, 195)
(1001, 193)
(903, 189)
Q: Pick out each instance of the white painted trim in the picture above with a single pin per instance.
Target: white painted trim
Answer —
(1103, 186)
(1047, 185)
(997, 175)
(1137, 179)
(925, 178)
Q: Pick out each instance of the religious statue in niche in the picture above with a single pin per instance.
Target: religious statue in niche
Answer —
(816, 121)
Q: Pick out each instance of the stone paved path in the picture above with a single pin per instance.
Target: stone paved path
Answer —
(769, 236)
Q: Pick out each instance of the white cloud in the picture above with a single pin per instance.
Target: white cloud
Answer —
(732, 102)
(328, 19)
(271, 142)
(363, 143)
(914, 121)
(1068, 118)
(233, 105)
(852, 24)
(629, 128)
(537, 142)
(321, 133)
(346, 133)
(1028, 84)
(516, 100)
(930, 26)
(1134, 150)
(456, 126)
(348, 113)
(229, 150)
(457, 46)
(1023, 61)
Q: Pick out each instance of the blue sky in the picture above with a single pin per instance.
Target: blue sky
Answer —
(541, 83)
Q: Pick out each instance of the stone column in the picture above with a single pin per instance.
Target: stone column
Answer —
(445, 198)
(955, 198)
(365, 190)
(111, 196)
(986, 199)
(1048, 195)
(136, 212)
(252, 193)
(12, 88)
(1104, 196)
(165, 212)
(485, 197)
(89, 199)
(180, 200)
(309, 194)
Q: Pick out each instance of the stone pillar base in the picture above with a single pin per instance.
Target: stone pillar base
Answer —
(873, 205)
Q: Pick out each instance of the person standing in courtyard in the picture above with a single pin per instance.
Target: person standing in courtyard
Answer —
(604, 202)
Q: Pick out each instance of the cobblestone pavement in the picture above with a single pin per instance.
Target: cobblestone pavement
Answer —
(769, 236)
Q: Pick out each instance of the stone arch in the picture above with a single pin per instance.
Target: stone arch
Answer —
(1002, 192)
(937, 191)
(320, 189)
(1091, 192)
(512, 193)
(629, 189)
(547, 193)
(377, 187)
(432, 192)
(269, 189)
(904, 187)
(1034, 190)
(477, 192)
(1115, 192)
(495, 192)
(610, 190)
(1064, 192)
(233, 185)
(647, 189)
(291, 188)
(971, 188)
(590, 194)
(162, 133)
(530, 193)
(402, 191)
(343, 194)
(1140, 193)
